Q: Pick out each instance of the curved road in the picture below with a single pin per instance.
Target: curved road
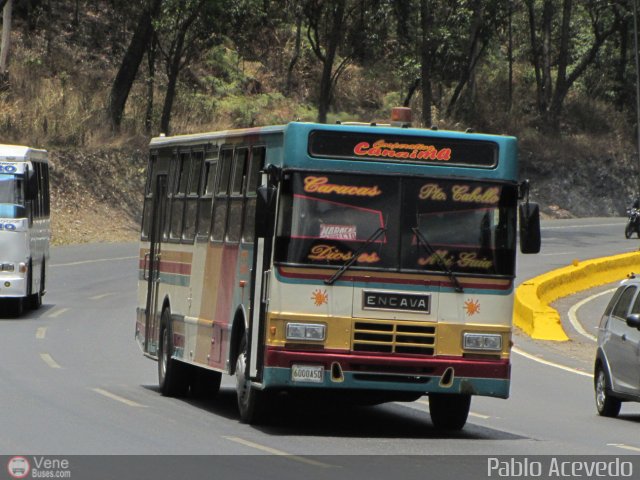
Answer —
(75, 383)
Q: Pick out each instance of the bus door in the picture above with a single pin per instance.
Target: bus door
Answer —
(262, 273)
(159, 209)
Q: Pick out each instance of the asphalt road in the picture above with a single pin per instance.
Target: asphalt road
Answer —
(75, 383)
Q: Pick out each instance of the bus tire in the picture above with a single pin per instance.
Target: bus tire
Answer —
(449, 411)
(252, 403)
(173, 375)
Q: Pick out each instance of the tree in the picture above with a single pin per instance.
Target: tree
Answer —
(131, 62)
(569, 65)
(342, 31)
(185, 28)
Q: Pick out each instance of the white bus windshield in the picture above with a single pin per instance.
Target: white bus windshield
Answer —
(468, 225)
(11, 196)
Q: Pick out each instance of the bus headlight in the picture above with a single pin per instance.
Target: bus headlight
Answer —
(482, 341)
(7, 267)
(305, 331)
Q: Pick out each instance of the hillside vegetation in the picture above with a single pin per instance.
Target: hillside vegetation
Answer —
(558, 75)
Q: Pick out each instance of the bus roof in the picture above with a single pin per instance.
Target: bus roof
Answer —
(196, 138)
(19, 153)
(293, 139)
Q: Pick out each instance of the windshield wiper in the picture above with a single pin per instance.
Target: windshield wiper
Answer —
(427, 246)
(352, 260)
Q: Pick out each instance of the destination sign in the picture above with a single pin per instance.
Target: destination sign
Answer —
(404, 149)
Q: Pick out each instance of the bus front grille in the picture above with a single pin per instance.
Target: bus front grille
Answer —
(393, 337)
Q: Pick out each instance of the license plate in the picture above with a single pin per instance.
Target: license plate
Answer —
(307, 373)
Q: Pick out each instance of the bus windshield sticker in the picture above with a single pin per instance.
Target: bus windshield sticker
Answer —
(338, 232)
(403, 148)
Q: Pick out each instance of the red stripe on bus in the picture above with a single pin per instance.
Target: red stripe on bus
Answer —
(169, 267)
(401, 365)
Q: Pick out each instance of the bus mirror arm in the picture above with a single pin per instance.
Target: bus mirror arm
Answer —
(529, 213)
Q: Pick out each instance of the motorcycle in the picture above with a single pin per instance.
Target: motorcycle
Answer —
(633, 224)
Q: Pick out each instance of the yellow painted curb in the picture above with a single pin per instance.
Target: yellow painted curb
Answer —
(531, 311)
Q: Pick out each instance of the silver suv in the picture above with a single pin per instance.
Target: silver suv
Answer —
(617, 366)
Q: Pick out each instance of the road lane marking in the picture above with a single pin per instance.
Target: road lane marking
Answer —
(556, 254)
(49, 360)
(273, 451)
(471, 414)
(625, 447)
(550, 364)
(583, 226)
(573, 317)
(96, 260)
(41, 333)
(58, 312)
(103, 295)
(118, 398)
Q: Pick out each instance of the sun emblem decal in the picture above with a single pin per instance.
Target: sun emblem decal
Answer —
(472, 307)
(319, 297)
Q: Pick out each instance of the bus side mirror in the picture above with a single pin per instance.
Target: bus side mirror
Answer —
(529, 227)
(264, 209)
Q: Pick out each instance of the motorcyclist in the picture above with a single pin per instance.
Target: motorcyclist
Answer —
(633, 225)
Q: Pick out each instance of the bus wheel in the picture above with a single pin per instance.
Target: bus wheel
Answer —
(449, 411)
(205, 383)
(252, 403)
(173, 376)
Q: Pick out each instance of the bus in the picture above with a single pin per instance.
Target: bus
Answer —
(367, 262)
(25, 231)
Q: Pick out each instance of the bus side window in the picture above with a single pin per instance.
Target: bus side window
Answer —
(41, 190)
(236, 204)
(47, 200)
(206, 198)
(193, 188)
(177, 204)
(253, 180)
(222, 193)
(148, 199)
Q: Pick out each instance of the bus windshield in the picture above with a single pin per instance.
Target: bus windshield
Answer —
(11, 196)
(465, 226)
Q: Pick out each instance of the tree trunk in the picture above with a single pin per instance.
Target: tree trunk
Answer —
(547, 19)
(622, 26)
(296, 54)
(151, 59)
(426, 22)
(130, 63)
(6, 37)
(535, 56)
(326, 83)
(510, 58)
(473, 54)
(173, 71)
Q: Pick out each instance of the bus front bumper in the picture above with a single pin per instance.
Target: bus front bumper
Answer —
(385, 373)
(13, 286)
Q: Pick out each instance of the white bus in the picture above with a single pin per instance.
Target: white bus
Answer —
(24, 226)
